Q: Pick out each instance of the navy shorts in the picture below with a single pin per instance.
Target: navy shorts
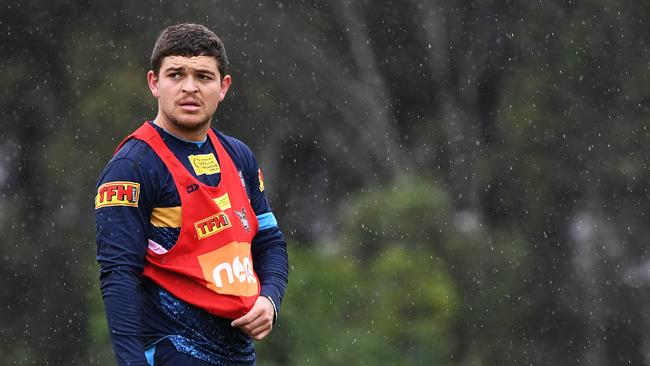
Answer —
(165, 354)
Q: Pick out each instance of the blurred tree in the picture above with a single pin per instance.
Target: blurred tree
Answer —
(484, 267)
(42, 294)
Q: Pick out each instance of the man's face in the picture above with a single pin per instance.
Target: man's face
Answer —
(188, 90)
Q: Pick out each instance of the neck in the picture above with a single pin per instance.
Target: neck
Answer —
(198, 134)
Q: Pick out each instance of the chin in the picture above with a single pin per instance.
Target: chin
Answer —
(192, 123)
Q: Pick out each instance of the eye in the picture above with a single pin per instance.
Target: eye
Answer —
(205, 77)
(174, 75)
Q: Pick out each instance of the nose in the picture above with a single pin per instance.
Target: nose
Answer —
(189, 85)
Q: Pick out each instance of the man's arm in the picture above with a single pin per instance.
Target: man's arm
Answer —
(271, 264)
(270, 261)
(122, 299)
(120, 218)
(269, 250)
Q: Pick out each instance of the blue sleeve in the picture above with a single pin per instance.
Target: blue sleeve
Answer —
(271, 264)
(269, 247)
(122, 301)
(254, 184)
(121, 246)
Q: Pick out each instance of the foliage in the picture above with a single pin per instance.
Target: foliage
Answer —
(396, 311)
(392, 291)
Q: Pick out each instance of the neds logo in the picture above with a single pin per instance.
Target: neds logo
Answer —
(229, 270)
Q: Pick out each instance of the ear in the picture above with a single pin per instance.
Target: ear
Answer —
(225, 84)
(152, 80)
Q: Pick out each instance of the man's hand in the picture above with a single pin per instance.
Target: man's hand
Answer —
(258, 322)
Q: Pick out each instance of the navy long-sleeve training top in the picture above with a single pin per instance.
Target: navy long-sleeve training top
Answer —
(139, 312)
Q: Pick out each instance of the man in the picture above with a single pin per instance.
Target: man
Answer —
(193, 264)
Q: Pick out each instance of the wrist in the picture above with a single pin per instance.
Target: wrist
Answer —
(275, 309)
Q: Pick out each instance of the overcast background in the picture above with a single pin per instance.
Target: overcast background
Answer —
(459, 182)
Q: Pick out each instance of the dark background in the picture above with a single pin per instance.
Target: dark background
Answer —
(459, 182)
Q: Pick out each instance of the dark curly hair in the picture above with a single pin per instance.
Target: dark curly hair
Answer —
(189, 40)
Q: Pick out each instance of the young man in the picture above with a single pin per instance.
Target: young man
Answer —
(193, 264)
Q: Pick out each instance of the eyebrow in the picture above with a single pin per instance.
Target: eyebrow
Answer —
(183, 68)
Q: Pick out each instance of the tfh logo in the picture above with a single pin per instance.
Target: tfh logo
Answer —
(212, 225)
(117, 194)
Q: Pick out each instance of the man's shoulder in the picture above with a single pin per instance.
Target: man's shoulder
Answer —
(134, 149)
(133, 159)
(232, 142)
(139, 153)
(237, 149)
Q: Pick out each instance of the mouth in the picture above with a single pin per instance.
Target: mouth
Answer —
(189, 105)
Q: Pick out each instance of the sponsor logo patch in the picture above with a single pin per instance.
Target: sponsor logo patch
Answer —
(212, 225)
(204, 164)
(229, 270)
(260, 176)
(242, 217)
(223, 202)
(117, 194)
(192, 188)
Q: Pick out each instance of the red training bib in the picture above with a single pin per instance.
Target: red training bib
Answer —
(211, 265)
